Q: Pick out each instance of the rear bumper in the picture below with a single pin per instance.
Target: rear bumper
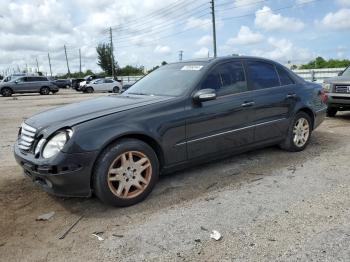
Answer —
(66, 175)
(339, 100)
(320, 115)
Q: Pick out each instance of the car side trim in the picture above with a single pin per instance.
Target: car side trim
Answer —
(231, 131)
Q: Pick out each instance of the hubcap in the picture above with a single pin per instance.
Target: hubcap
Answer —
(129, 174)
(301, 132)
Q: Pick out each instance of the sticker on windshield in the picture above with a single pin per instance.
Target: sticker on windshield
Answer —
(192, 67)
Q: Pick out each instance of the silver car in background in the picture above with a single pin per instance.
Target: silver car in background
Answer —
(28, 84)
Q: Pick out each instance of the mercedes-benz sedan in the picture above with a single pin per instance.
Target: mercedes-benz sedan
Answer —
(181, 114)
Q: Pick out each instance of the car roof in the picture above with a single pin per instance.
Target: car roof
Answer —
(222, 59)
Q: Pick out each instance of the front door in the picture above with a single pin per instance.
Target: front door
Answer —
(223, 124)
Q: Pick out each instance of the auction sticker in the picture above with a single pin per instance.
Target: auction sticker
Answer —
(192, 67)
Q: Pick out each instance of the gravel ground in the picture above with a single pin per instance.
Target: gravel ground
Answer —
(268, 205)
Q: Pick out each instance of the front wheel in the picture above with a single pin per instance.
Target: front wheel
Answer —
(125, 173)
(299, 133)
(6, 92)
(89, 90)
(331, 111)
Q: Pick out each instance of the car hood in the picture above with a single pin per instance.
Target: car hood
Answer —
(76, 113)
(338, 80)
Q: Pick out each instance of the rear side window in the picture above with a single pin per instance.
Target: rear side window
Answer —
(109, 81)
(227, 79)
(284, 77)
(262, 75)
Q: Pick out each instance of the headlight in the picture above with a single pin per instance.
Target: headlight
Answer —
(56, 143)
(326, 87)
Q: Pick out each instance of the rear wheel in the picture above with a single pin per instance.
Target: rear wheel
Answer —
(6, 91)
(115, 89)
(45, 91)
(331, 112)
(125, 173)
(299, 133)
(89, 90)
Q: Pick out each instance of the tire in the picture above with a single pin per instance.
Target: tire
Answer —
(54, 92)
(331, 111)
(116, 89)
(6, 91)
(45, 91)
(89, 90)
(294, 141)
(112, 188)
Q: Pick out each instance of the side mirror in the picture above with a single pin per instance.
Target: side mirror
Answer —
(204, 95)
(340, 73)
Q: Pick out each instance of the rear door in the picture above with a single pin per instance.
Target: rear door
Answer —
(109, 84)
(274, 97)
(222, 124)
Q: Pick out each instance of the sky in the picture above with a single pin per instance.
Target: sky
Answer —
(147, 32)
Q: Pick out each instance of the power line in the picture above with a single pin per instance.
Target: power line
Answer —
(170, 9)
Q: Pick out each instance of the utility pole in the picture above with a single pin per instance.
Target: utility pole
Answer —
(214, 28)
(112, 56)
(79, 61)
(65, 51)
(37, 65)
(181, 52)
(48, 56)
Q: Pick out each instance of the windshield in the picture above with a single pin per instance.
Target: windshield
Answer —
(169, 80)
(346, 72)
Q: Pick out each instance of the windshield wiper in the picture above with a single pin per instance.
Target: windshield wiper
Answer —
(141, 94)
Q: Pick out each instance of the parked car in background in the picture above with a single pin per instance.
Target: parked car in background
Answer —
(76, 83)
(338, 92)
(87, 80)
(103, 85)
(179, 115)
(63, 83)
(28, 84)
(12, 77)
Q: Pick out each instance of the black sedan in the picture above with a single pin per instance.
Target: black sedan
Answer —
(181, 114)
(62, 83)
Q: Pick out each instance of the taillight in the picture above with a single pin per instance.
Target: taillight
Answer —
(324, 96)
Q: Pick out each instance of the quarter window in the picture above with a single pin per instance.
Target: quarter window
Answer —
(284, 77)
(262, 75)
(227, 79)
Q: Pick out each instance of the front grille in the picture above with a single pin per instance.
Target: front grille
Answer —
(26, 137)
(342, 89)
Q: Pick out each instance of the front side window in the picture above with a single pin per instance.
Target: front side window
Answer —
(226, 79)
(262, 75)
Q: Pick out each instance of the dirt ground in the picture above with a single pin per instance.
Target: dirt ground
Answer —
(269, 205)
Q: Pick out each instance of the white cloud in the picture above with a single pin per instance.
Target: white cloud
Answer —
(205, 40)
(163, 50)
(201, 53)
(343, 2)
(284, 50)
(266, 19)
(245, 37)
(204, 24)
(339, 20)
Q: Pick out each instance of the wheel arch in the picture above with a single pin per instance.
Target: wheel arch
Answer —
(310, 113)
(138, 136)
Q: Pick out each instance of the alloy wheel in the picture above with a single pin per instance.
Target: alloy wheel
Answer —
(129, 174)
(301, 132)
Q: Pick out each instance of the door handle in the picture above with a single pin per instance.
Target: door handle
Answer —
(291, 95)
(247, 104)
